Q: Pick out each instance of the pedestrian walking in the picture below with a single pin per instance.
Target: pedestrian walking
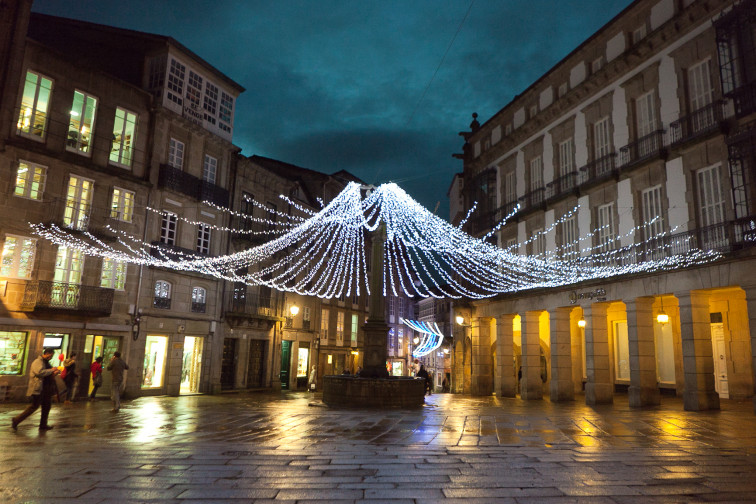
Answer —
(41, 389)
(312, 380)
(117, 367)
(423, 373)
(70, 377)
(96, 370)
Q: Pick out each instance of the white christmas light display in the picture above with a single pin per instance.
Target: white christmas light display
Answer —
(431, 339)
(324, 254)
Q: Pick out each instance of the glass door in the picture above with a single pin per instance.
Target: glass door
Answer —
(191, 365)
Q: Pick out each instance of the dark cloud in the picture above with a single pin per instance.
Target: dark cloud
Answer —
(337, 84)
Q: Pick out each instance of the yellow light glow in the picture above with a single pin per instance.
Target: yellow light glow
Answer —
(662, 318)
(294, 309)
(581, 323)
(330, 359)
(460, 319)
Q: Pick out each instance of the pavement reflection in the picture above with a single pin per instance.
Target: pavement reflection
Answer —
(290, 448)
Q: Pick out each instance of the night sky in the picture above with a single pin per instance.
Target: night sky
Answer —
(377, 88)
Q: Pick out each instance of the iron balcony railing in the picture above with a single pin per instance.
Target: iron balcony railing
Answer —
(647, 147)
(184, 183)
(254, 232)
(744, 99)
(488, 220)
(164, 251)
(725, 237)
(703, 121)
(164, 303)
(239, 302)
(598, 170)
(47, 294)
(198, 307)
(532, 199)
(560, 186)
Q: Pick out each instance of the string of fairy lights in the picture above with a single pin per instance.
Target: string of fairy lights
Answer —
(323, 253)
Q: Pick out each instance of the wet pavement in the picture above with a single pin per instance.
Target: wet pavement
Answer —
(288, 447)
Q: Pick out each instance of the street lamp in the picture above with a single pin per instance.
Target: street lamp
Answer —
(294, 310)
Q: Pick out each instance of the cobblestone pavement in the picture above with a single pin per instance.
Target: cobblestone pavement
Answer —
(289, 448)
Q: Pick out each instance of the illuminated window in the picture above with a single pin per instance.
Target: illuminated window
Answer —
(113, 274)
(124, 136)
(122, 205)
(69, 265)
(354, 329)
(30, 180)
(340, 328)
(78, 202)
(81, 123)
(324, 326)
(18, 256)
(35, 102)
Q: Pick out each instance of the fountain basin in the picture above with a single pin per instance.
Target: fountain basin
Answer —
(391, 392)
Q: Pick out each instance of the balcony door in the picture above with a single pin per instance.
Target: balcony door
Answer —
(701, 96)
(711, 208)
(78, 202)
(69, 264)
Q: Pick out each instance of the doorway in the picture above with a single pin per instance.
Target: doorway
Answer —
(191, 365)
(227, 364)
(256, 364)
(285, 364)
(155, 351)
(105, 347)
(621, 351)
(721, 384)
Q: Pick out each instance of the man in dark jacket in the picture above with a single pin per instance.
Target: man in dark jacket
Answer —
(117, 366)
(41, 389)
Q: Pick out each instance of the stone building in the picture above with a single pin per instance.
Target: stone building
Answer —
(132, 140)
(639, 140)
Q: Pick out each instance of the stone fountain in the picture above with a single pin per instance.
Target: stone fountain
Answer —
(374, 387)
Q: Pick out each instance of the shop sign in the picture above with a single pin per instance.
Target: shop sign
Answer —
(598, 294)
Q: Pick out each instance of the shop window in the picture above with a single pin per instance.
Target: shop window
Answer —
(12, 352)
(154, 361)
(354, 330)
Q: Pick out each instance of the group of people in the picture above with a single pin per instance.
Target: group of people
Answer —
(42, 386)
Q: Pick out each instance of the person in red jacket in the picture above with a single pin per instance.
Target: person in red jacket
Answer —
(96, 369)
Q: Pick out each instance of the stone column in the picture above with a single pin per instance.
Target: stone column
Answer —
(698, 356)
(376, 329)
(506, 374)
(481, 382)
(751, 306)
(458, 358)
(644, 390)
(531, 386)
(562, 388)
(599, 388)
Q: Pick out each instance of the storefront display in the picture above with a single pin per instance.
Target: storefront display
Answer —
(154, 361)
(12, 352)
